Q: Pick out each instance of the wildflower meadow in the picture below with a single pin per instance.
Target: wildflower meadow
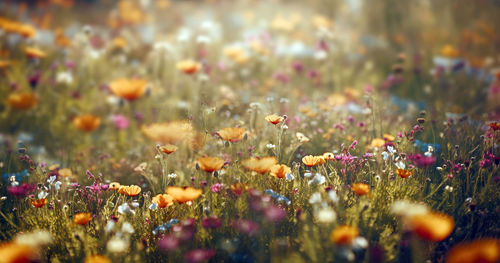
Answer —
(249, 131)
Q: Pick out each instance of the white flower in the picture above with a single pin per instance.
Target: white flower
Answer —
(51, 179)
(333, 196)
(391, 149)
(125, 209)
(57, 185)
(153, 206)
(315, 198)
(289, 177)
(34, 239)
(408, 209)
(326, 215)
(42, 194)
(110, 225)
(317, 179)
(270, 146)
(64, 77)
(117, 245)
(172, 175)
(401, 165)
(127, 228)
(385, 155)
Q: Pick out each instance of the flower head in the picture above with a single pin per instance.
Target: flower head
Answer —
(169, 148)
(188, 66)
(129, 89)
(274, 119)
(360, 189)
(481, 250)
(171, 132)
(183, 195)
(87, 122)
(82, 218)
(311, 161)
(232, 134)
(280, 170)
(432, 226)
(403, 173)
(97, 259)
(210, 164)
(22, 101)
(163, 200)
(259, 165)
(114, 186)
(132, 190)
(344, 235)
(39, 203)
(33, 52)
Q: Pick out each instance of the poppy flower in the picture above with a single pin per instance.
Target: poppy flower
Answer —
(82, 218)
(238, 188)
(280, 170)
(432, 226)
(449, 51)
(13, 252)
(87, 122)
(344, 235)
(132, 190)
(171, 132)
(403, 173)
(188, 66)
(33, 52)
(328, 156)
(232, 134)
(495, 126)
(259, 165)
(129, 89)
(482, 250)
(377, 143)
(65, 172)
(389, 137)
(169, 148)
(22, 101)
(97, 259)
(114, 186)
(210, 164)
(163, 200)
(360, 189)
(311, 161)
(183, 195)
(274, 119)
(39, 203)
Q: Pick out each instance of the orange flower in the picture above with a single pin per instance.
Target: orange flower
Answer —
(210, 164)
(82, 218)
(22, 101)
(360, 189)
(4, 64)
(274, 119)
(114, 186)
(12, 253)
(132, 190)
(232, 134)
(259, 165)
(432, 226)
(61, 39)
(39, 203)
(403, 173)
(311, 161)
(169, 148)
(238, 188)
(449, 51)
(119, 42)
(494, 125)
(280, 170)
(65, 172)
(389, 137)
(172, 132)
(344, 235)
(188, 66)
(33, 52)
(97, 259)
(163, 200)
(481, 250)
(377, 143)
(129, 89)
(87, 122)
(183, 195)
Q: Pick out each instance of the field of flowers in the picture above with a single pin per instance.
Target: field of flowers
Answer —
(249, 131)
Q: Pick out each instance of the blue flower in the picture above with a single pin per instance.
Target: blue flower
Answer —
(18, 175)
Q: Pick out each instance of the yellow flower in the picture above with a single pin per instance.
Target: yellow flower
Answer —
(280, 170)
(22, 101)
(82, 218)
(210, 164)
(301, 137)
(311, 161)
(328, 156)
(169, 148)
(65, 172)
(481, 250)
(114, 186)
(132, 190)
(232, 134)
(449, 51)
(129, 89)
(259, 165)
(432, 226)
(377, 143)
(87, 122)
(183, 195)
(188, 66)
(163, 200)
(360, 189)
(389, 137)
(274, 119)
(172, 132)
(344, 235)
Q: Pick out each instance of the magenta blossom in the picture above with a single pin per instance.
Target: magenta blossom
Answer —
(248, 227)
(211, 222)
(274, 213)
(168, 243)
(198, 255)
(216, 187)
(422, 161)
(121, 122)
(20, 190)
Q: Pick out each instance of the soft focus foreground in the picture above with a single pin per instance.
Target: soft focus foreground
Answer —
(249, 131)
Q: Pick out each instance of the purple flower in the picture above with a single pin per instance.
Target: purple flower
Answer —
(21, 190)
(168, 243)
(422, 160)
(121, 122)
(198, 255)
(211, 222)
(274, 213)
(216, 187)
(246, 226)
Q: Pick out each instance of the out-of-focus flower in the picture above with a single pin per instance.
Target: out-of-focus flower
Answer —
(344, 235)
(168, 243)
(82, 218)
(33, 52)
(188, 66)
(114, 186)
(403, 173)
(301, 137)
(39, 203)
(211, 222)
(232, 134)
(432, 226)
(407, 209)
(87, 122)
(35, 239)
(210, 164)
(259, 165)
(12, 253)
(481, 250)
(97, 259)
(22, 100)
(248, 227)
(65, 172)
(274, 213)
(326, 215)
(163, 200)
(198, 255)
(280, 170)
(121, 122)
(117, 245)
(169, 148)
(274, 119)
(183, 195)
(20, 190)
(129, 89)
(311, 161)
(172, 132)
(238, 188)
(449, 51)
(377, 143)
(360, 189)
(132, 190)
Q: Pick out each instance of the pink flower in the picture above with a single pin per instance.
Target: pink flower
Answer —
(246, 226)
(199, 255)
(211, 222)
(216, 187)
(168, 243)
(274, 213)
(121, 122)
